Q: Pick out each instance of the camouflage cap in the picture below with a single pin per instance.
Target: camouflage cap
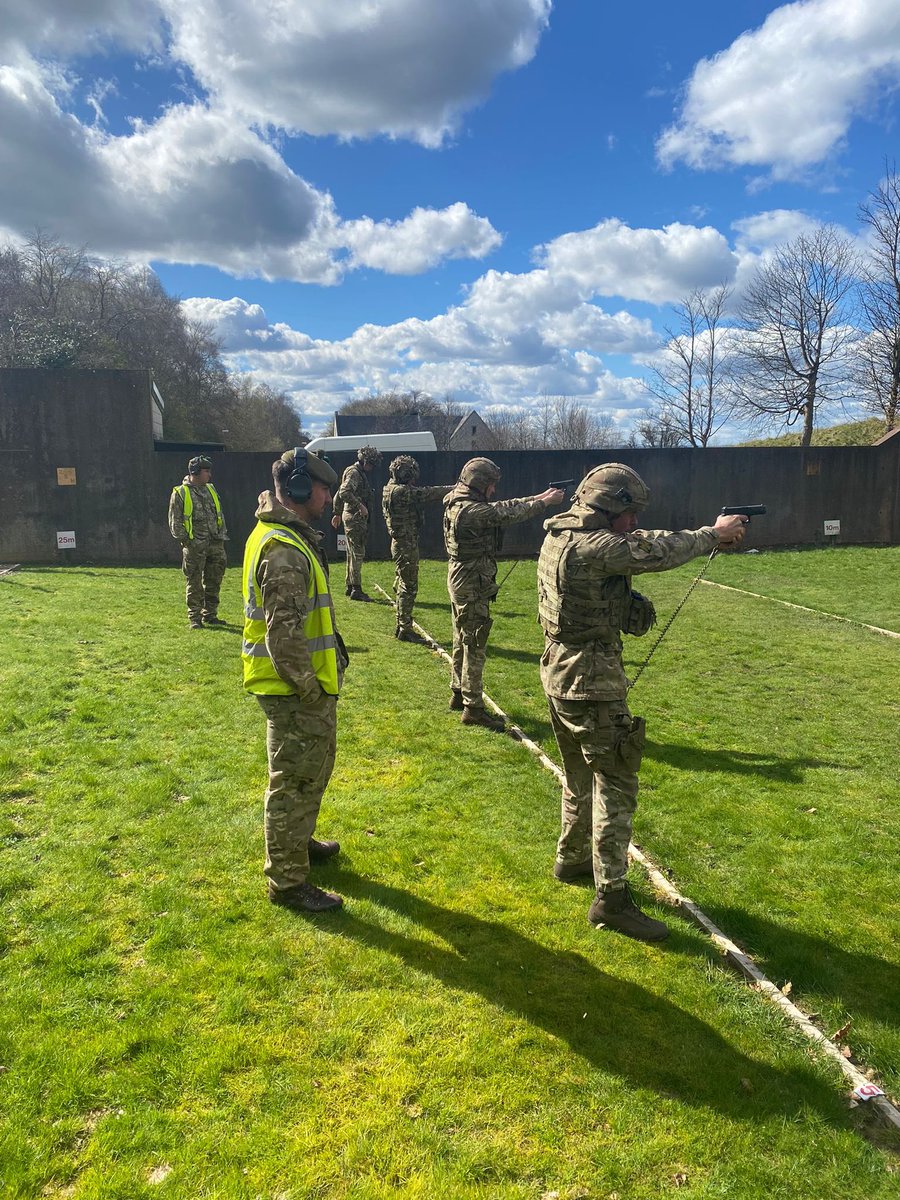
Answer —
(404, 469)
(614, 488)
(368, 456)
(199, 463)
(479, 473)
(317, 466)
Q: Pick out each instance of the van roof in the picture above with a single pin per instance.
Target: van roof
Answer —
(397, 443)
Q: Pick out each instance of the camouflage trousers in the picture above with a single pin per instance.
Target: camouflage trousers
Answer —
(203, 565)
(601, 746)
(471, 627)
(301, 740)
(406, 579)
(356, 533)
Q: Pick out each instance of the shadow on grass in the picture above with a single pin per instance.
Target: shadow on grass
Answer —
(526, 656)
(644, 1038)
(859, 983)
(693, 758)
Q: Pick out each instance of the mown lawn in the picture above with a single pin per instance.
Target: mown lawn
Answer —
(459, 1030)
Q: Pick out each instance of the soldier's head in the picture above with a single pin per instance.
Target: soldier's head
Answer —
(200, 468)
(303, 481)
(404, 469)
(480, 474)
(367, 457)
(616, 490)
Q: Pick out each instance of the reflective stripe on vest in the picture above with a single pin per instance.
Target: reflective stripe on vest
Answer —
(187, 501)
(260, 676)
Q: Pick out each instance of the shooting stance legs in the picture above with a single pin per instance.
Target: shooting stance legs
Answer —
(471, 628)
(601, 746)
(356, 533)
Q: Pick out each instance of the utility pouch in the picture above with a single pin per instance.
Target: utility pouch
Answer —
(631, 747)
(640, 615)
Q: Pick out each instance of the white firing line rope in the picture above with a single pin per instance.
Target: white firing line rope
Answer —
(732, 952)
(802, 608)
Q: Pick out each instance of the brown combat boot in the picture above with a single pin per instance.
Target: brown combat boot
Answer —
(473, 715)
(410, 635)
(456, 700)
(570, 872)
(321, 851)
(196, 623)
(616, 910)
(305, 897)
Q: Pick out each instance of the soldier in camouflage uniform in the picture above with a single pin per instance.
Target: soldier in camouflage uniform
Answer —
(294, 662)
(585, 603)
(352, 503)
(196, 521)
(402, 503)
(473, 533)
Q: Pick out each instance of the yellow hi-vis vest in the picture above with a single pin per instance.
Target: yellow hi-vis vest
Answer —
(260, 676)
(188, 501)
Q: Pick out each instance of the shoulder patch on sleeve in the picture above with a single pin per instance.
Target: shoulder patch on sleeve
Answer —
(641, 543)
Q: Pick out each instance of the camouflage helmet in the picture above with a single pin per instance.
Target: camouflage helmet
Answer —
(614, 488)
(404, 469)
(479, 473)
(199, 463)
(368, 455)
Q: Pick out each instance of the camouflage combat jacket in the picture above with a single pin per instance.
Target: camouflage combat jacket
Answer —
(584, 589)
(354, 493)
(403, 505)
(283, 577)
(473, 537)
(203, 517)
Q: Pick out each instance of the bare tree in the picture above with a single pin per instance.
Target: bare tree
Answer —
(553, 423)
(692, 381)
(655, 428)
(798, 330)
(878, 360)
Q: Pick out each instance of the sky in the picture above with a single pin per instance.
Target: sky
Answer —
(493, 199)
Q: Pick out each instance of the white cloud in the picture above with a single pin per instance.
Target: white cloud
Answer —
(205, 183)
(420, 241)
(783, 96)
(79, 26)
(406, 68)
(656, 265)
(196, 187)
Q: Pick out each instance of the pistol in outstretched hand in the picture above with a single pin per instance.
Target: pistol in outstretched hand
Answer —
(743, 510)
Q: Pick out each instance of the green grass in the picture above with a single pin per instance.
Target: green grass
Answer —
(849, 433)
(459, 1030)
(850, 581)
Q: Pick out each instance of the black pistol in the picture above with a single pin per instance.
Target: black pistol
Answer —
(562, 484)
(743, 510)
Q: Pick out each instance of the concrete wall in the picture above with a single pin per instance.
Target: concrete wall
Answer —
(100, 424)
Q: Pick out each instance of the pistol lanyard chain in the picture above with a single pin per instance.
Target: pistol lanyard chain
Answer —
(666, 627)
(506, 576)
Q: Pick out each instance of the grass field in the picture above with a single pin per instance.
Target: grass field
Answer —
(459, 1030)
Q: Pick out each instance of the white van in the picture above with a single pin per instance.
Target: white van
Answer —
(387, 443)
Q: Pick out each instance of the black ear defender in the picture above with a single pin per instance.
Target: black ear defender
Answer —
(299, 486)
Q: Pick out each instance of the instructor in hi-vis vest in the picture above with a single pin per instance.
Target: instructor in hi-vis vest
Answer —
(294, 662)
(196, 521)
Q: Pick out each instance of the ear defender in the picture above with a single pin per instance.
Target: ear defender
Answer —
(299, 486)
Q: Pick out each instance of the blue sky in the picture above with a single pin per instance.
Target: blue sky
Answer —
(495, 199)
